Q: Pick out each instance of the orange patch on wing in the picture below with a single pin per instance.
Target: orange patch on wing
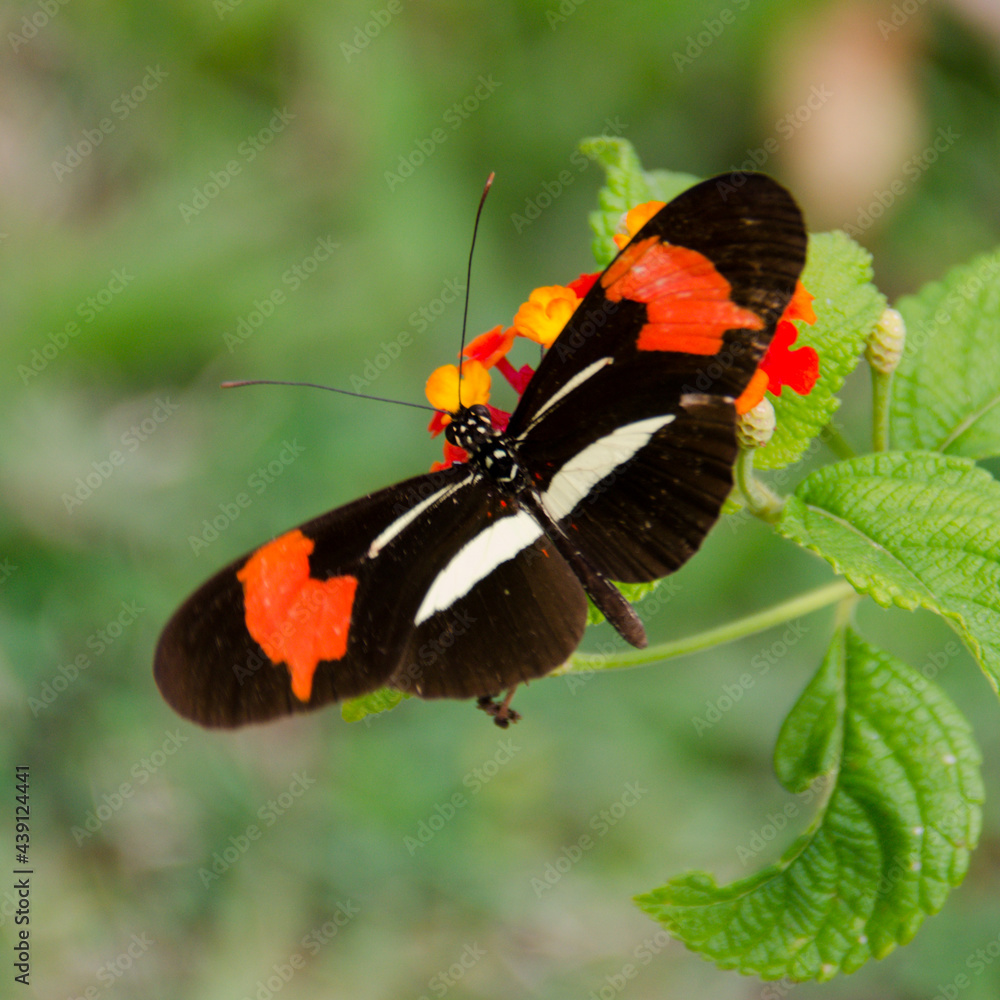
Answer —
(296, 619)
(688, 304)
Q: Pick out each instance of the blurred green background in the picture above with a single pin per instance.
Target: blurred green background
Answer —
(165, 169)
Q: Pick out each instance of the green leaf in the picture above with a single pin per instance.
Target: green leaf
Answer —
(626, 185)
(811, 738)
(946, 391)
(895, 835)
(838, 273)
(355, 709)
(914, 529)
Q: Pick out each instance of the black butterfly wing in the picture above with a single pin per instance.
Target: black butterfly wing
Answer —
(438, 585)
(628, 427)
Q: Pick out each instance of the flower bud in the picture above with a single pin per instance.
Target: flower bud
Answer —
(885, 342)
(755, 427)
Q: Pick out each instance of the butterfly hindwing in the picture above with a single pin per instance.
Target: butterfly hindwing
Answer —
(647, 516)
(518, 623)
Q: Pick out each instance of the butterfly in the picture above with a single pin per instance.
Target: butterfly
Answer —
(615, 464)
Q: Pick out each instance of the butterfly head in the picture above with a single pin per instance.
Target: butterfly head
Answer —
(471, 428)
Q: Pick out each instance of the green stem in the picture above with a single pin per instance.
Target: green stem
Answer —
(836, 442)
(761, 501)
(881, 385)
(796, 607)
(845, 610)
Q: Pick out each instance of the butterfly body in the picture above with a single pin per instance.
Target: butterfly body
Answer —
(613, 467)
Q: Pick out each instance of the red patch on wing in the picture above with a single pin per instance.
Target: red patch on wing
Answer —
(688, 304)
(295, 618)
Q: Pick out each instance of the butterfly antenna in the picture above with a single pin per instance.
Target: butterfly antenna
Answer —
(468, 279)
(329, 388)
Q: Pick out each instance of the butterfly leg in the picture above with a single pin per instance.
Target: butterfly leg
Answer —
(503, 714)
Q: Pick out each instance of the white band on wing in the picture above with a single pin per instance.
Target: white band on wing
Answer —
(494, 545)
(403, 520)
(577, 380)
(574, 481)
